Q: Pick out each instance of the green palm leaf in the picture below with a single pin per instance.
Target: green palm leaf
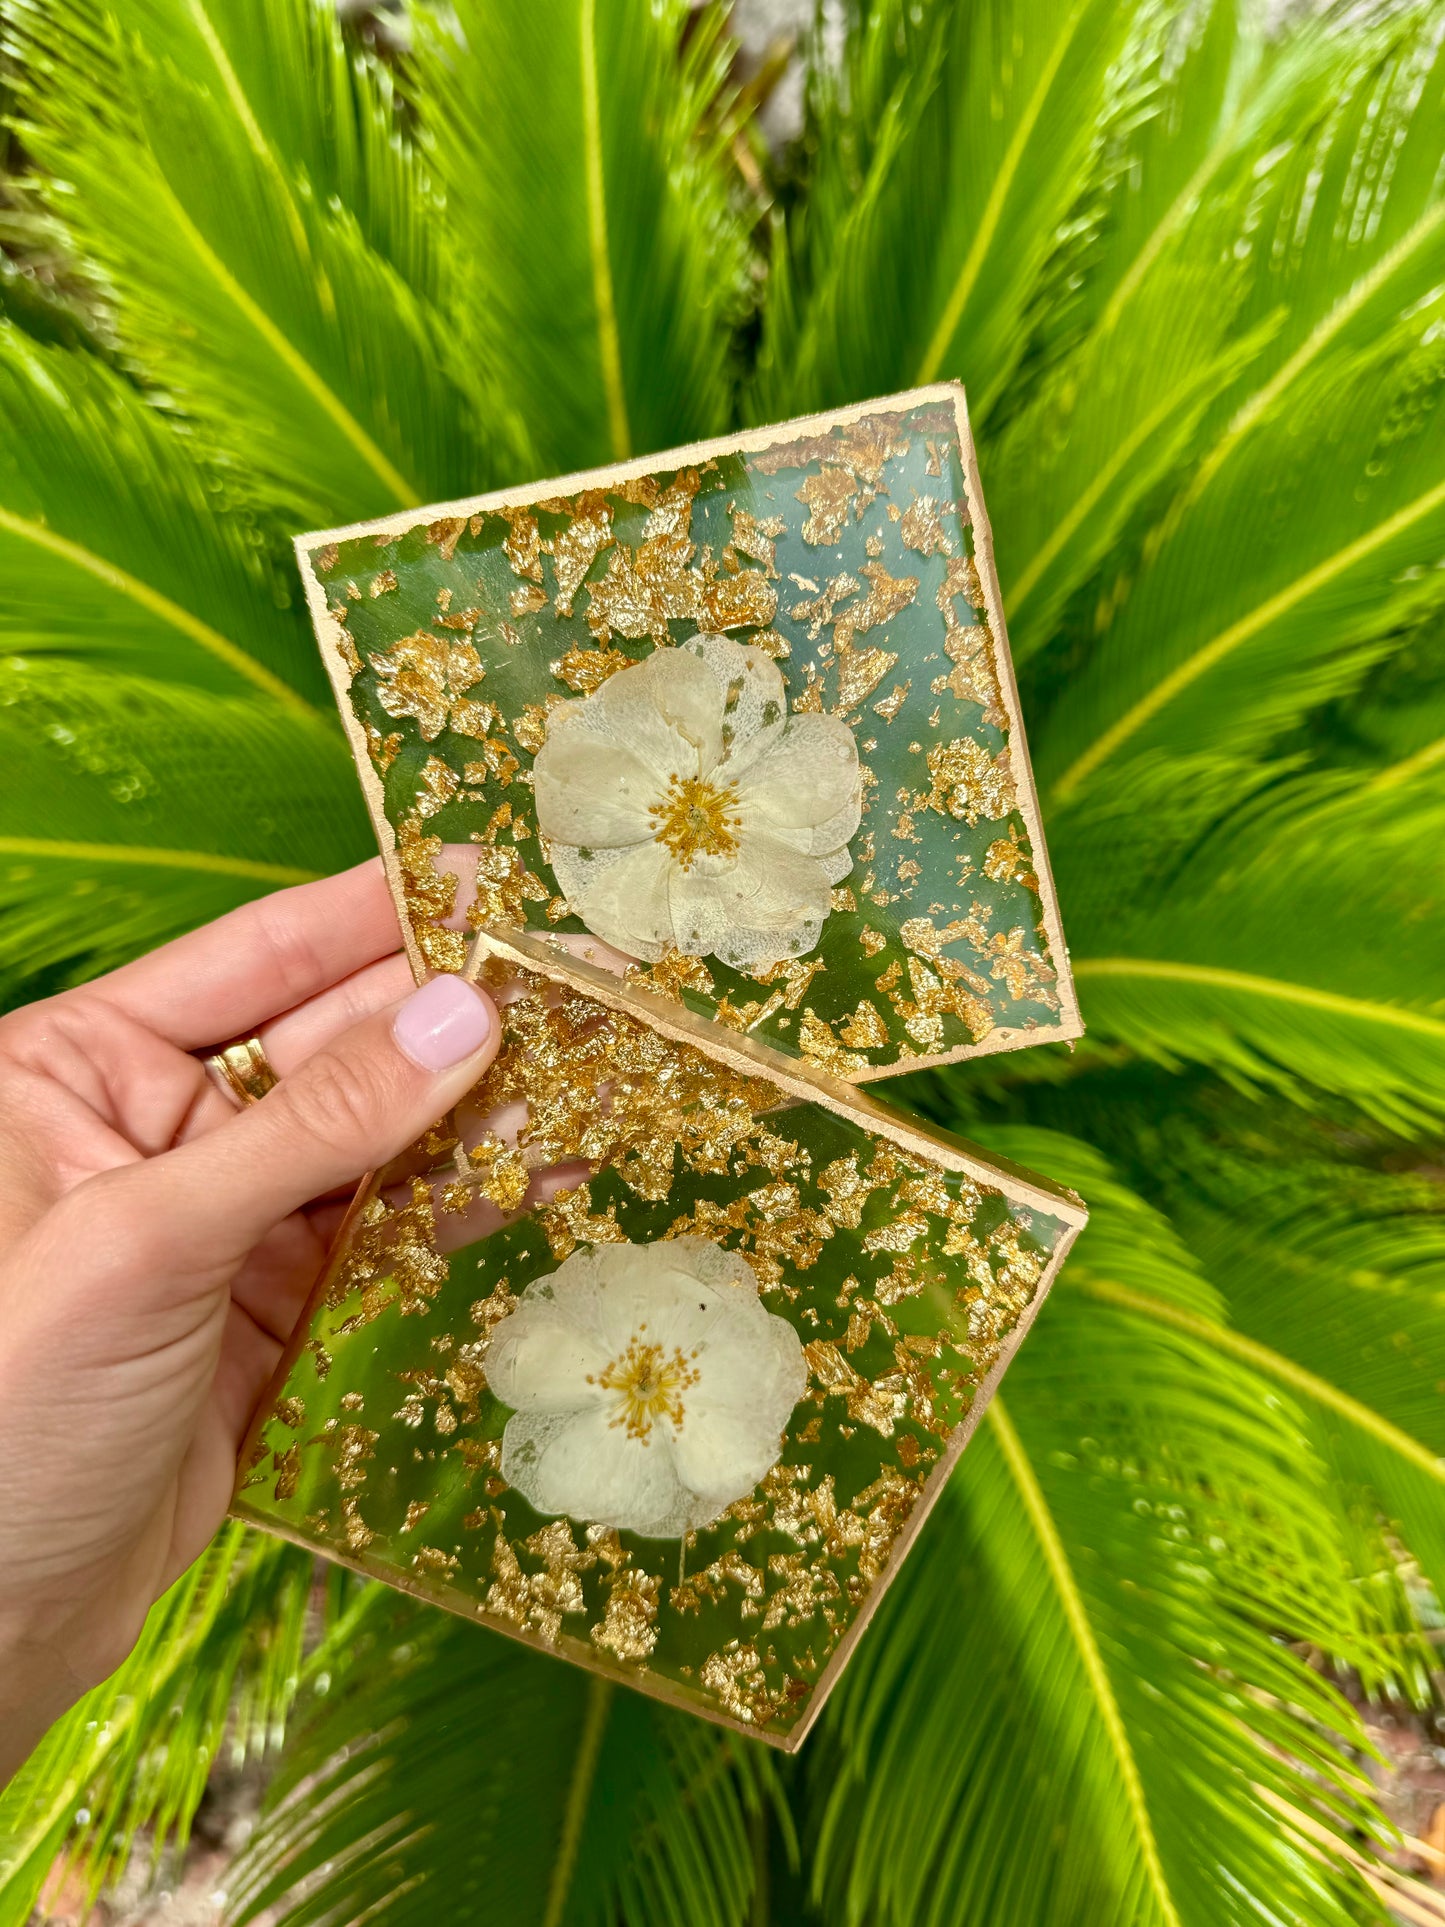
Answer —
(257, 301)
(1262, 955)
(586, 124)
(115, 545)
(1305, 536)
(216, 1666)
(451, 1770)
(948, 157)
(1079, 1656)
(160, 813)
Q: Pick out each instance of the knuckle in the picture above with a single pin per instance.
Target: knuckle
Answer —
(337, 1100)
(289, 947)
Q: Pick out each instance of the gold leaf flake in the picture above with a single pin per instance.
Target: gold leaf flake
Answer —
(427, 677)
(382, 749)
(587, 669)
(887, 596)
(872, 941)
(827, 494)
(530, 728)
(1007, 859)
(879, 1405)
(383, 583)
(859, 671)
(756, 538)
(966, 782)
(922, 528)
(742, 601)
(430, 1561)
(629, 1626)
(324, 560)
(865, 1029)
(445, 534)
(889, 707)
(523, 546)
(527, 599)
(818, 608)
(579, 545)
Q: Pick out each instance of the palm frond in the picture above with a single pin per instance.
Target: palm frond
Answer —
(1307, 534)
(254, 299)
(214, 1671)
(450, 1770)
(600, 263)
(160, 813)
(1263, 956)
(1165, 303)
(949, 151)
(1336, 1289)
(116, 543)
(1086, 1652)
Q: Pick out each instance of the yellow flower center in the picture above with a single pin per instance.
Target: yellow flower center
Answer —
(649, 1385)
(697, 818)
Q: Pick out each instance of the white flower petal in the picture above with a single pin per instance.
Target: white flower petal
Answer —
(809, 779)
(621, 896)
(721, 1453)
(586, 1467)
(752, 1365)
(771, 903)
(539, 1359)
(668, 711)
(592, 792)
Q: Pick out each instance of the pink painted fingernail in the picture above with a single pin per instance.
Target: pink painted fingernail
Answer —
(443, 1023)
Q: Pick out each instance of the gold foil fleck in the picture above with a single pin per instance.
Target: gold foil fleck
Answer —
(922, 528)
(865, 1029)
(431, 1562)
(445, 534)
(587, 669)
(966, 782)
(579, 545)
(523, 545)
(427, 677)
(383, 583)
(756, 538)
(527, 599)
(827, 494)
(628, 1627)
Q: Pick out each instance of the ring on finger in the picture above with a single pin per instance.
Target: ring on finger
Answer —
(243, 1070)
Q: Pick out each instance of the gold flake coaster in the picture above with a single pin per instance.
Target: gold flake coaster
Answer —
(655, 1353)
(742, 714)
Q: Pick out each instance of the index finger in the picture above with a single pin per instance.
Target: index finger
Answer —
(224, 979)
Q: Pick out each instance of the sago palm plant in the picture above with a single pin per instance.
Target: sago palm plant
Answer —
(1192, 272)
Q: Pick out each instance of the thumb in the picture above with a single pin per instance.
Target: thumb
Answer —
(358, 1102)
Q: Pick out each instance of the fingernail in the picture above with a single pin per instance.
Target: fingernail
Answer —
(442, 1023)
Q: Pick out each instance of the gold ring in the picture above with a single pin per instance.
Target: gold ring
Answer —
(244, 1070)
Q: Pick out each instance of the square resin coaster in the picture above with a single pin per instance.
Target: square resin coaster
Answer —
(742, 712)
(655, 1353)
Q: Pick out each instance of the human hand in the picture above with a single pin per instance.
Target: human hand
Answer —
(157, 1244)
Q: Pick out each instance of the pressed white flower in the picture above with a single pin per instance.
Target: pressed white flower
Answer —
(649, 1386)
(685, 808)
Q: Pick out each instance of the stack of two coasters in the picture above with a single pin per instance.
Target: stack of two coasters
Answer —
(657, 1350)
